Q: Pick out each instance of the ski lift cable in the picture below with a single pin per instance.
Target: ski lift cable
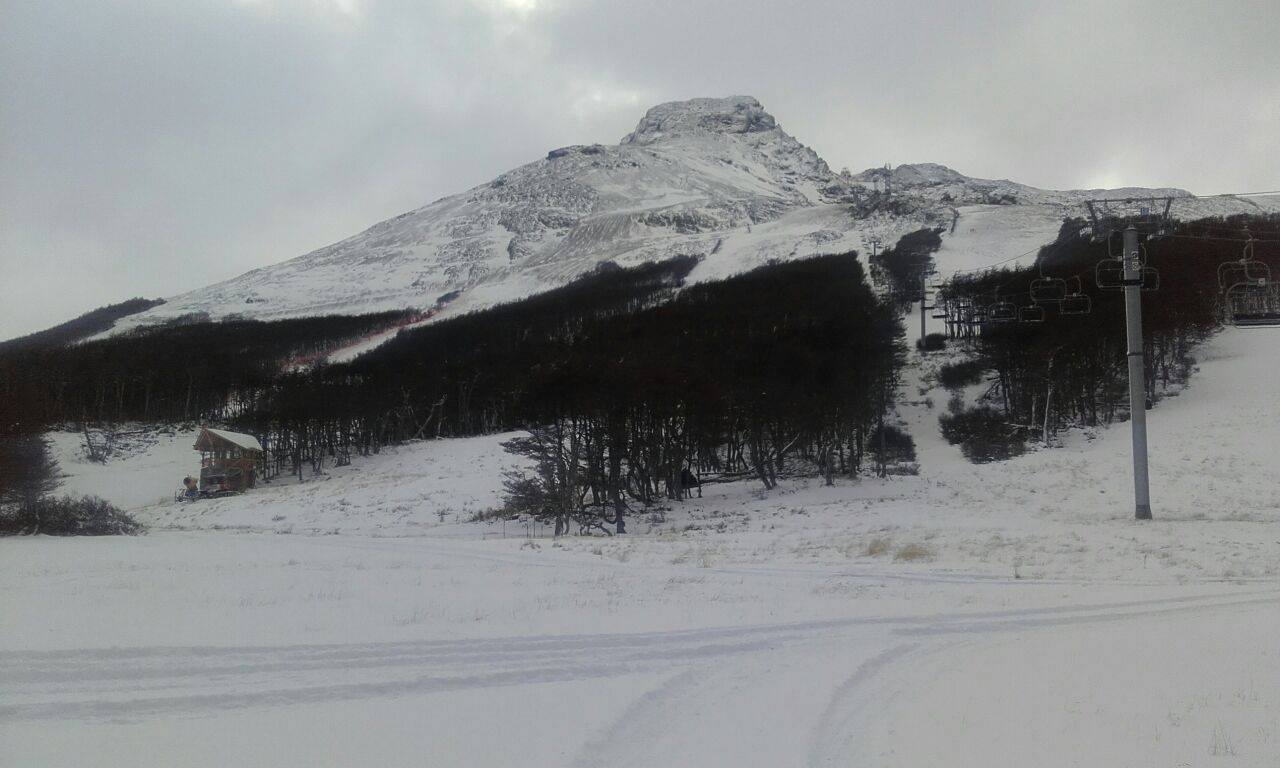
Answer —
(1079, 293)
(1225, 239)
(1197, 237)
(994, 264)
(1227, 194)
(988, 267)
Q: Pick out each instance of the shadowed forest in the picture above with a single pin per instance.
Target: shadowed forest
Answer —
(630, 381)
(1068, 369)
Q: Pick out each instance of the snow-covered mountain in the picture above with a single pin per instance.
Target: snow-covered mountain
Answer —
(715, 178)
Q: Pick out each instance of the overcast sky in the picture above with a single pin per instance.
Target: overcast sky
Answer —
(148, 148)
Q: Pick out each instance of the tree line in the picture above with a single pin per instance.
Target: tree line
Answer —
(903, 265)
(643, 380)
(86, 325)
(630, 382)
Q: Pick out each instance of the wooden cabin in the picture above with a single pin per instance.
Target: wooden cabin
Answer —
(228, 461)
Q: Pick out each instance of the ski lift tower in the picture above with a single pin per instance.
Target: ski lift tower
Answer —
(1134, 217)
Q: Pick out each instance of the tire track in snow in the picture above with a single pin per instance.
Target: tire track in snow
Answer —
(642, 723)
(140, 663)
(138, 683)
(835, 730)
(825, 745)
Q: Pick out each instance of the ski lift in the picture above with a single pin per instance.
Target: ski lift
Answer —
(1076, 305)
(1254, 304)
(1250, 297)
(1245, 270)
(1233, 273)
(1048, 290)
(1002, 312)
(1149, 215)
(1075, 302)
(1109, 276)
(1032, 313)
(1150, 277)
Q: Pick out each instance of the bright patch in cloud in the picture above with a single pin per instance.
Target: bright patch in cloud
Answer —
(508, 8)
(349, 8)
(595, 98)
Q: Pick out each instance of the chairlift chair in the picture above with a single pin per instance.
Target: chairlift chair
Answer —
(1254, 304)
(1244, 270)
(1002, 312)
(1033, 313)
(1048, 290)
(1076, 302)
(1108, 275)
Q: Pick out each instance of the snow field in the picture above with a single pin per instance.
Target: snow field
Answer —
(1006, 613)
(212, 648)
(986, 234)
(142, 476)
(400, 492)
(1166, 689)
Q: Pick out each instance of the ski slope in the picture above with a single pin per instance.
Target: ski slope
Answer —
(998, 614)
(990, 234)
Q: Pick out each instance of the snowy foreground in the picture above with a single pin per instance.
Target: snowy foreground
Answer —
(1007, 614)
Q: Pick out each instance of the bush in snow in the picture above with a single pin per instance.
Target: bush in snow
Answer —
(983, 434)
(962, 374)
(66, 516)
(933, 342)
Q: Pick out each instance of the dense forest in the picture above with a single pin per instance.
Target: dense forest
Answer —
(628, 386)
(179, 372)
(1051, 368)
(631, 380)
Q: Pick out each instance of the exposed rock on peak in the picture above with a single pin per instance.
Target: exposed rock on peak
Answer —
(735, 114)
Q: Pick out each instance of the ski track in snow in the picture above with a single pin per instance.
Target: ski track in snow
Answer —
(131, 684)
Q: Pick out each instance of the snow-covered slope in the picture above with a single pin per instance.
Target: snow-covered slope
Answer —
(695, 177)
(715, 178)
(998, 614)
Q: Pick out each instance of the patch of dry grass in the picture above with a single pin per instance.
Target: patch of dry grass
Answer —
(913, 552)
(877, 547)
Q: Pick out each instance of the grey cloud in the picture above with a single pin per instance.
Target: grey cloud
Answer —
(152, 147)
